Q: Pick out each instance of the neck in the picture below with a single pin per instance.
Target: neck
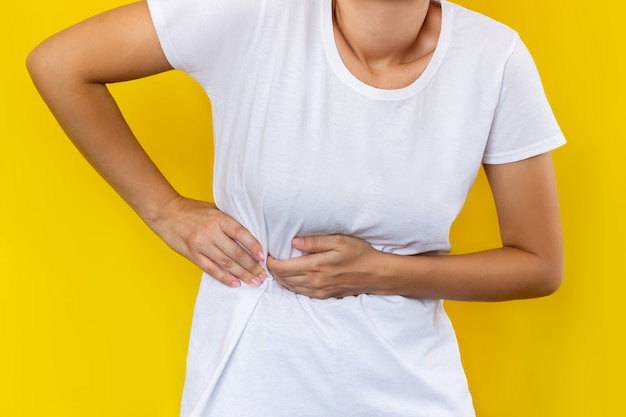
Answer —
(380, 33)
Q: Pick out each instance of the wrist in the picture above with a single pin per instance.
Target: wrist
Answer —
(156, 212)
(383, 280)
(403, 275)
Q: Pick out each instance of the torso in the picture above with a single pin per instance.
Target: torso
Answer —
(305, 144)
(306, 148)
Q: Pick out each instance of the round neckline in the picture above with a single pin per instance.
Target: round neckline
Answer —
(340, 69)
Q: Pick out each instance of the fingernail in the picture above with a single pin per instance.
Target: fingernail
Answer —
(260, 256)
(298, 241)
(255, 282)
(262, 277)
(235, 284)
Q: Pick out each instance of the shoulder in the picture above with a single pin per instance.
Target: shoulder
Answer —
(478, 32)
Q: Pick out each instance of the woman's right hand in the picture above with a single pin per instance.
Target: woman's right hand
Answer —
(212, 240)
(71, 70)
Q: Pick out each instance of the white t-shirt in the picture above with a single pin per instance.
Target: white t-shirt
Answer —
(302, 147)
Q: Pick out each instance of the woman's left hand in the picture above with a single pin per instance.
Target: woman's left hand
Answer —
(333, 266)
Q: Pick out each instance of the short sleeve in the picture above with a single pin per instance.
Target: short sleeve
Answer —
(208, 39)
(523, 124)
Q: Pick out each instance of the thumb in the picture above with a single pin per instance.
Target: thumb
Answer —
(315, 244)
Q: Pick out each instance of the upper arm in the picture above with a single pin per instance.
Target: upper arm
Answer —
(117, 45)
(526, 199)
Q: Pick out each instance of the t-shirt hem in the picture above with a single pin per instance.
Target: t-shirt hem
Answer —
(535, 149)
(160, 26)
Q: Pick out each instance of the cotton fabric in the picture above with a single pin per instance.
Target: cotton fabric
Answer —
(302, 147)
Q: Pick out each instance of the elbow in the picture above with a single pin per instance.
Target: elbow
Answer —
(552, 283)
(550, 277)
(542, 275)
(38, 63)
(33, 62)
(49, 64)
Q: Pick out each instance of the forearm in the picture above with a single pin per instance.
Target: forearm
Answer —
(530, 263)
(495, 275)
(71, 69)
(91, 119)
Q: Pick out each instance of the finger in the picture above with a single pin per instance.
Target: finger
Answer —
(237, 254)
(296, 283)
(290, 267)
(217, 273)
(303, 289)
(228, 256)
(316, 244)
(240, 234)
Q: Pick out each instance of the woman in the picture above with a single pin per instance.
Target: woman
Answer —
(348, 134)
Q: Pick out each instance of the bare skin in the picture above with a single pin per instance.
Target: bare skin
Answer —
(529, 264)
(380, 42)
(71, 70)
(381, 45)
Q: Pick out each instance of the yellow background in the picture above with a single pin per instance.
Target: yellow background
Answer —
(95, 311)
